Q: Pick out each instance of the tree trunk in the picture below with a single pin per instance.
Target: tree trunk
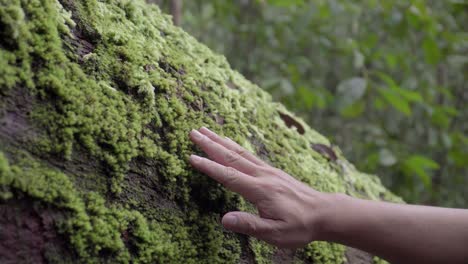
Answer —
(96, 101)
(176, 10)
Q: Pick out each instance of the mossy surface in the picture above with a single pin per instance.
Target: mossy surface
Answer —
(114, 81)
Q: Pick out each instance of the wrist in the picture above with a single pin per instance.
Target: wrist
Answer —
(330, 214)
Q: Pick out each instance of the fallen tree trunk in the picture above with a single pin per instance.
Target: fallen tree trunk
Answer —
(97, 100)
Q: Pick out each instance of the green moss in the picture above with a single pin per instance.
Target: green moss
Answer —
(377, 260)
(325, 253)
(263, 252)
(92, 227)
(115, 80)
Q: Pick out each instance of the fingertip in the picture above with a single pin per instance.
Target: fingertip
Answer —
(206, 131)
(194, 159)
(229, 221)
(195, 135)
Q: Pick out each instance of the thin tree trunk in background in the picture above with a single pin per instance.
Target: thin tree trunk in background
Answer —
(176, 11)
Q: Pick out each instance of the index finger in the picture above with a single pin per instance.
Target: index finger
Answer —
(229, 177)
(231, 145)
(222, 155)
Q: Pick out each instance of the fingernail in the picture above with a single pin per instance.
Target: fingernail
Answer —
(195, 134)
(230, 220)
(195, 158)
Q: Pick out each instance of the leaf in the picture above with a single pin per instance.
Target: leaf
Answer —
(396, 101)
(386, 79)
(285, 3)
(358, 60)
(442, 116)
(431, 51)
(386, 158)
(353, 110)
(398, 97)
(351, 90)
(307, 97)
(419, 165)
(411, 96)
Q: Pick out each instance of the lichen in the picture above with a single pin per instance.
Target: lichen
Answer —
(115, 80)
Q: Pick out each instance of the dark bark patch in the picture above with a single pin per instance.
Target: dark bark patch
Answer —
(284, 256)
(291, 122)
(171, 69)
(247, 255)
(219, 119)
(232, 85)
(85, 38)
(80, 44)
(15, 120)
(149, 67)
(28, 235)
(356, 256)
(260, 148)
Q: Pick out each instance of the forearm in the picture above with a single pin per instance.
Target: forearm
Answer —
(398, 233)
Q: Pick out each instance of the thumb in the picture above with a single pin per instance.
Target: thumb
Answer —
(248, 224)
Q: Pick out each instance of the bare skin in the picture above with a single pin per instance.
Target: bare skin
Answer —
(291, 214)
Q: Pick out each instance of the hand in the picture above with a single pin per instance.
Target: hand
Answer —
(289, 212)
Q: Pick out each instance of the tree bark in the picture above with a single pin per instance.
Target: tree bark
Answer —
(176, 10)
(96, 102)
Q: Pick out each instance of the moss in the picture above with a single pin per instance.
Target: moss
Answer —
(325, 253)
(92, 227)
(262, 251)
(114, 79)
(377, 260)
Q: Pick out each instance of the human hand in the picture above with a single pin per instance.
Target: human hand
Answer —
(289, 212)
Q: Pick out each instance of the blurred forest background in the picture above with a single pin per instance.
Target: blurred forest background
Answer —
(387, 81)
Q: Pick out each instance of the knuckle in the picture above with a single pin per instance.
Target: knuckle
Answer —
(241, 151)
(230, 175)
(231, 157)
(279, 188)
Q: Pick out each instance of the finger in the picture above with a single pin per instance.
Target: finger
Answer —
(231, 145)
(222, 155)
(229, 177)
(249, 224)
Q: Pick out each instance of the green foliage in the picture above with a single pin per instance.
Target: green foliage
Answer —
(372, 75)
